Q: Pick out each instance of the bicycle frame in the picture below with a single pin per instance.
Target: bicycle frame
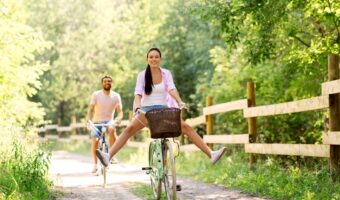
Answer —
(162, 167)
(160, 156)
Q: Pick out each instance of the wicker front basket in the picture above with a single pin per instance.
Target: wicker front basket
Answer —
(164, 123)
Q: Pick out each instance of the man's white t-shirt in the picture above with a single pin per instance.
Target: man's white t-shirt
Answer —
(105, 105)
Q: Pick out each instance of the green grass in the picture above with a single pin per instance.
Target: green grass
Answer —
(74, 146)
(266, 178)
(23, 174)
(144, 191)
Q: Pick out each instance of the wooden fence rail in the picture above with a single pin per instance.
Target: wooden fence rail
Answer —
(70, 127)
(331, 138)
(289, 107)
(315, 150)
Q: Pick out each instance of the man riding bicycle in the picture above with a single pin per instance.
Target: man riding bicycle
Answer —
(101, 111)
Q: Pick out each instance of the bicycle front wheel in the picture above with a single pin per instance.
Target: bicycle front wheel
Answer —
(153, 163)
(103, 168)
(169, 171)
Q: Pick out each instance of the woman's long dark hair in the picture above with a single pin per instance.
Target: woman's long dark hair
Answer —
(148, 77)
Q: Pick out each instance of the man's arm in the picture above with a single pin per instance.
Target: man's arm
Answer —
(119, 114)
(90, 112)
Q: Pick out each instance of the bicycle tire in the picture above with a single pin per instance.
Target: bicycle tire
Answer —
(155, 185)
(169, 170)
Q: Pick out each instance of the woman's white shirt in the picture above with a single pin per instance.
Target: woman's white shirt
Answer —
(157, 96)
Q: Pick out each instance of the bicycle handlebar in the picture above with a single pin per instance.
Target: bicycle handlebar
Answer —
(93, 125)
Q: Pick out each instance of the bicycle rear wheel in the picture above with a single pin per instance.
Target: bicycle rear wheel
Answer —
(169, 171)
(155, 183)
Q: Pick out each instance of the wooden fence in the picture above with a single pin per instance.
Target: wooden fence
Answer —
(71, 128)
(329, 99)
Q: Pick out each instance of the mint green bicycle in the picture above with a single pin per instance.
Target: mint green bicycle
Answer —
(163, 124)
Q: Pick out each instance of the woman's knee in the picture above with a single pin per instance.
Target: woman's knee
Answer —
(131, 129)
(185, 127)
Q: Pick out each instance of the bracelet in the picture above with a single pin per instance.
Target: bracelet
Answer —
(137, 109)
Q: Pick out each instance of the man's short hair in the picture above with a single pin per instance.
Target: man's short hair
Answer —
(106, 76)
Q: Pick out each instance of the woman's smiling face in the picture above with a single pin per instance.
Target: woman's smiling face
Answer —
(154, 58)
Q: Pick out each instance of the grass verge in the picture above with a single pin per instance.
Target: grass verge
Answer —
(23, 174)
(266, 178)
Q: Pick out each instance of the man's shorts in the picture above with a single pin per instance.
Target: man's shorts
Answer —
(96, 132)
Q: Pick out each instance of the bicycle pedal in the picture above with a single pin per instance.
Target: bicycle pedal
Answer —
(146, 168)
(178, 187)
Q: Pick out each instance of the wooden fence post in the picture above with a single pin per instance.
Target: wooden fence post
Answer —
(59, 124)
(209, 119)
(73, 121)
(253, 138)
(334, 116)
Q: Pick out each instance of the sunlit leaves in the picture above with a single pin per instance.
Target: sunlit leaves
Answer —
(20, 70)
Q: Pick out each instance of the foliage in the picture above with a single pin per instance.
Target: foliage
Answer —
(308, 29)
(20, 71)
(24, 174)
(283, 52)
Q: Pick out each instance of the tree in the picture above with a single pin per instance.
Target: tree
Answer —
(20, 70)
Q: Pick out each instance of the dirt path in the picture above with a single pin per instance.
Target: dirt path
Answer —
(71, 175)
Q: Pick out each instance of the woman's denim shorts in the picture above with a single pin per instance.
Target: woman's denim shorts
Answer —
(148, 108)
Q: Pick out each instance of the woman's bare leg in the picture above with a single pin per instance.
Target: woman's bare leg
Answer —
(112, 136)
(136, 124)
(195, 138)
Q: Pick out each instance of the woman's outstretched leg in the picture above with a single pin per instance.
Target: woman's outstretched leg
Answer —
(198, 141)
(195, 138)
(135, 125)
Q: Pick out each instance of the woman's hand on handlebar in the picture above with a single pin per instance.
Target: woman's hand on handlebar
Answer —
(183, 105)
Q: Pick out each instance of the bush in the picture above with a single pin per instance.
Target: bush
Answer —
(24, 173)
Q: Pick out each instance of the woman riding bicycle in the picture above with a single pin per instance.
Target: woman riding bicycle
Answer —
(155, 89)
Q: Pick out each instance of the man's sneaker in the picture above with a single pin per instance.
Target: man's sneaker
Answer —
(216, 155)
(103, 157)
(94, 170)
(114, 160)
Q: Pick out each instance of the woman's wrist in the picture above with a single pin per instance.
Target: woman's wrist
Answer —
(136, 109)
